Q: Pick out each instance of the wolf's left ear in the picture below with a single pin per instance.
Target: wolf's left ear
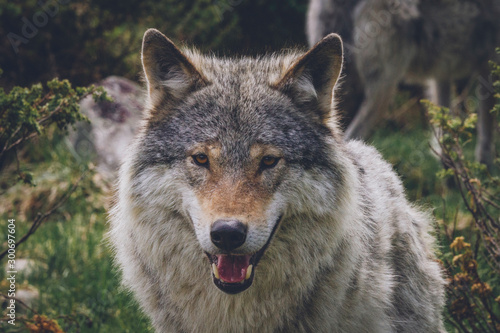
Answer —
(169, 73)
(311, 79)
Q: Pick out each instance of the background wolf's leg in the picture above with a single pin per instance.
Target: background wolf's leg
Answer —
(462, 88)
(440, 94)
(378, 98)
(324, 17)
(485, 150)
(383, 57)
(443, 93)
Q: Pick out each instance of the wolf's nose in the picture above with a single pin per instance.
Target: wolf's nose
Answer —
(228, 234)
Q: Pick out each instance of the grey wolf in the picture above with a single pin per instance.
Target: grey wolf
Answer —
(413, 40)
(240, 208)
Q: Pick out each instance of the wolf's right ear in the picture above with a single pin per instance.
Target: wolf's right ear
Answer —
(170, 75)
(311, 78)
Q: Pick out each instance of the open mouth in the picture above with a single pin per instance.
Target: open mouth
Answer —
(234, 273)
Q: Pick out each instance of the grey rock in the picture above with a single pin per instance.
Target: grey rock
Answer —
(112, 125)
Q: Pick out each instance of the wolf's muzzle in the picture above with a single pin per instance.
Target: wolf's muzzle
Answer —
(228, 235)
(234, 273)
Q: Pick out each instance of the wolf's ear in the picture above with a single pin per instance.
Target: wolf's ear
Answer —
(310, 80)
(169, 73)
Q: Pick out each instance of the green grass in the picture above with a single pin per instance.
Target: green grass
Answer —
(76, 277)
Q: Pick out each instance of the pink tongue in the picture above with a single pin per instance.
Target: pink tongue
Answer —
(232, 268)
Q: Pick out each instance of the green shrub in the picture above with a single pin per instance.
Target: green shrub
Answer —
(474, 266)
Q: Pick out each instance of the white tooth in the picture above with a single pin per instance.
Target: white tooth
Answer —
(249, 272)
(216, 271)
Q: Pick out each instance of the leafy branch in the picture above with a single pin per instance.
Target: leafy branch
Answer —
(27, 112)
(472, 304)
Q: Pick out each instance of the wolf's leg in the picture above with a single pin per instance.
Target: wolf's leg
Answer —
(462, 90)
(377, 100)
(439, 94)
(485, 149)
(443, 93)
(327, 16)
(383, 56)
(442, 98)
(315, 27)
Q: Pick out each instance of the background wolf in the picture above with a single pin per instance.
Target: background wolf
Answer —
(241, 209)
(392, 40)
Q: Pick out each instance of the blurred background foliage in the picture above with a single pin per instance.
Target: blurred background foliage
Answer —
(86, 41)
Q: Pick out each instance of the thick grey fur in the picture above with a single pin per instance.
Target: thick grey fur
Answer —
(351, 254)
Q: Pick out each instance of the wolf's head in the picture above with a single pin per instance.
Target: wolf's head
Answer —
(243, 143)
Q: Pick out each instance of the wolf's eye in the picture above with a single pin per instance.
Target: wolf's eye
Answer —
(201, 159)
(269, 162)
